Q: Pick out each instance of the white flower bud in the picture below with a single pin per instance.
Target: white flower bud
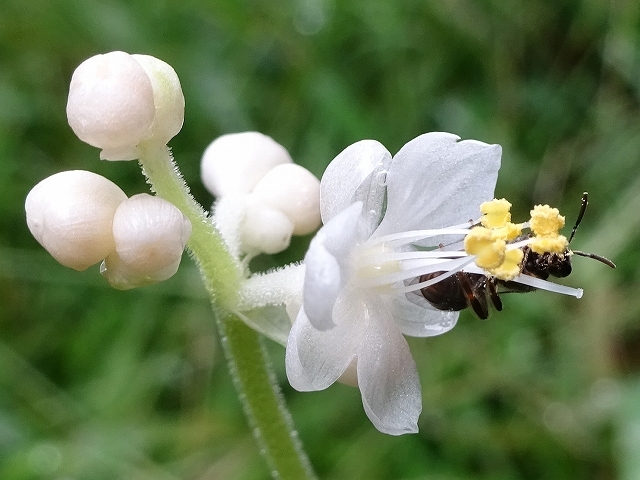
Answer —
(70, 214)
(150, 235)
(111, 104)
(234, 163)
(168, 97)
(294, 191)
(265, 229)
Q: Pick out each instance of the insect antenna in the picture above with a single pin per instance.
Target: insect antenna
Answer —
(600, 258)
(583, 209)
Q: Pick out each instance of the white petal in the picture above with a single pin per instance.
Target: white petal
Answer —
(435, 181)
(326, 261)
(388, 378)
(322, 283)
(353, 176)
(316, 359)
(422, 320)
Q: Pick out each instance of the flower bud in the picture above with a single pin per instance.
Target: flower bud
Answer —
(70, 214)
(294, 191)
(234, 163)
(111, 104)
(264, 229)
(168, 97)
(150, 234)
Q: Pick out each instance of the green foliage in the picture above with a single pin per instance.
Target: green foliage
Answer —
(100, 384)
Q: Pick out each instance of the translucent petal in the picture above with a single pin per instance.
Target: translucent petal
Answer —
(339, 235)
(270, 320)
(322, 283)
(435, 181)
(351, 172)
(316, 359)
(325, 261)
(387, 377)
(420, 318)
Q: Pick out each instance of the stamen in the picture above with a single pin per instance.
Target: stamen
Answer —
(439, 278)
(536, 283)
(420, 268)
(549, 286)
(373, 258)
(402, 238)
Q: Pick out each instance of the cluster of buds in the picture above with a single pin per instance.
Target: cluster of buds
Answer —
(263, 198)
(122, 104)
(82, 218)
(116, 102)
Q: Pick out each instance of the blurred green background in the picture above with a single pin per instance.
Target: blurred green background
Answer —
(100, 384)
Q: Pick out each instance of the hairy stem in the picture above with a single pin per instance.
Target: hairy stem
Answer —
(221, 272)
(263, 403)
(250, 367)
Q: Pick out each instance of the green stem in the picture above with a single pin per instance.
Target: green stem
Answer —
(263, 403)
(248, 360)
(221, 273)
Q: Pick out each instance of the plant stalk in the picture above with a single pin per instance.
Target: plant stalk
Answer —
(247, 358)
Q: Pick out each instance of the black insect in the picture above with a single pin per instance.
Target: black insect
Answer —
(462, 290)
(476, 291)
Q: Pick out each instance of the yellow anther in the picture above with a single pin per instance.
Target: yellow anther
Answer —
(488, 249)
(509, 232)
(511, 267)
(546, 221)
(549, 244)
(495, 213)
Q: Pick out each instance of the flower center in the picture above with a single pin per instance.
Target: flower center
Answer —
(493, 246)
(375, 261)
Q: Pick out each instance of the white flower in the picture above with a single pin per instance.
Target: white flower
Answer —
(117, 100)
(349, 318)
(387, 223)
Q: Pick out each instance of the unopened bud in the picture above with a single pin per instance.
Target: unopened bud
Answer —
(168, 97)
(264, 229)
(234, 163)
(150, 234)
(110, 104)
(294, 191)
(70, 214)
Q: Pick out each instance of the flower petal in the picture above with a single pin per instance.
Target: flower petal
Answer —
(435, 181)
(387, 377)
(420, 318)
(315, 359)
(354, 175)
(325, 261)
